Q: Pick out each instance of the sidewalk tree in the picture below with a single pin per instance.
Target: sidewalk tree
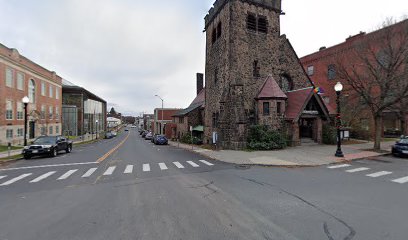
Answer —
(377, 72)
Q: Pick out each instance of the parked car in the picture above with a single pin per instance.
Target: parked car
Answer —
(47, 145)
(144, 134)
(149, 136)
(400, 148)
(161, 140)
(114, 133)
(108, 135)
(154, 137)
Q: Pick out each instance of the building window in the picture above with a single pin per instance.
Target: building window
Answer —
(50, 112)
(19, 111)
(331, 72)
(215, 120)
(266, 111)
(57, 113)
(219, 30)
(326, 99)
(214, 36)
(9, 77)
(50, 130)
(286, 83)
(262, 25)
(31, 91)
(51, 91)
(20, 81)
(216, 33)
(251, 22)
(310, 70)
(256, 69)
(279, 108)
(181, 119)
(56, 93)
(9, 133)
(42, 111)
(9, 110)
(56, 129)
(42, 88)
(20, 132)
(216, 75)
(43, 131)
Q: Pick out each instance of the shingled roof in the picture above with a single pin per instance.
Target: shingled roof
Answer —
(271, 89)
(297, 101)
(198, 102)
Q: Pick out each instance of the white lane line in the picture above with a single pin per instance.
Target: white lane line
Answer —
(178, 164)
(146, 167)
(89, 172)
(42, 177)
(67, 174)
(45, 166)
(339, 166)
(357, 170)
(401, 180)
(207, 163)
(379, 174)
(129, 169)
(163, 166)
(1, 177)
(109, 171)
(193, 164)
(15, 179)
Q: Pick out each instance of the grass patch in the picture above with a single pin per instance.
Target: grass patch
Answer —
(11, 158)
(5, 148)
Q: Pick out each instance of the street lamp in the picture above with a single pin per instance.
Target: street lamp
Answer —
(96, 121)
(338, 88)
(25, 100)
(161, 113)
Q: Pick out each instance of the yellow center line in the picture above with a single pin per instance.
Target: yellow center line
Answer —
(101, 159)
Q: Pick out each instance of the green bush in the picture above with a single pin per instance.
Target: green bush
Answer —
(194, 140)
(261, 138)
(360, 133)
(329, 134)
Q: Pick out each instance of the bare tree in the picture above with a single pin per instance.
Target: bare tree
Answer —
(376, 71)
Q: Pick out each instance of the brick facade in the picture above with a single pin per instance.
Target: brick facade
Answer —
(45, 107)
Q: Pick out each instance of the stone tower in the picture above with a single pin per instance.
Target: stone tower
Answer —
(243, 48)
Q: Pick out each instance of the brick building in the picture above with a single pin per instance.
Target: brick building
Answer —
(321, 66)
(21, 77)
(250, 70)
(163, 121)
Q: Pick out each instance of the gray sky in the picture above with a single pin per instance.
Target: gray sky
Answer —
(126, 51)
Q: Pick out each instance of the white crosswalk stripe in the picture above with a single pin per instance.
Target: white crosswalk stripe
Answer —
(129, 169)
(1, 177)
(109, 171)
(163, 166)
(378, 174)
(178, 165)
(401, 180)
(89, 172)
(193, 163)
(357, 170)
(146, 167)
(42, 177)
(206, 163)
(339, 166)
(15, 179)
(67, 174)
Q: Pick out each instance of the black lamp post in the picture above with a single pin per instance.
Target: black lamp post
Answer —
(162, 120)
(25, 100)
(338, 88)
(96, 121)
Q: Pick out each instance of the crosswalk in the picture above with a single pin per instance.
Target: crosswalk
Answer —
(129, 169)
(368, 172)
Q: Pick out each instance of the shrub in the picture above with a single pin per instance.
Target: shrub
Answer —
(261, 138)
(329, 134)
(360, 133)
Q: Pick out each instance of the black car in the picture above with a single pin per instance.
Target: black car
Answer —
(400, 148)
(47, 146)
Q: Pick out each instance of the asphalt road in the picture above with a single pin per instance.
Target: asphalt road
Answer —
(143, 191)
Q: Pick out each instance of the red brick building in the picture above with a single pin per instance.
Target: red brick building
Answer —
(322, 66)
(163, 121)
(21, 77)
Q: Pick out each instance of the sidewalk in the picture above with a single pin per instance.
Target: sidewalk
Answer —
(309, 155)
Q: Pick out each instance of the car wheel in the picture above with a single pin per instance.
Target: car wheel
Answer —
(27, 156)
(69, 149)
(54, 152)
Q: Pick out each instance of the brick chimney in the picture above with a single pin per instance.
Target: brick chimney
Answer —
(200, 82)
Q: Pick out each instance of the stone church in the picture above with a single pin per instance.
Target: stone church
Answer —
(254, 77)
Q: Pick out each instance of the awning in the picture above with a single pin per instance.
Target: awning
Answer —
(199, 128)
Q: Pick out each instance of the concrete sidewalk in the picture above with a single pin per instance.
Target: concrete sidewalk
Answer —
(309, 155)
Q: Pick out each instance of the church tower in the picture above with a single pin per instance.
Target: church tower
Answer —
(243, 48)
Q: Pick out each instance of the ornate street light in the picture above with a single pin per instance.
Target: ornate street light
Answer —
(25, 100)
(161, 123)
(338, 88)
(96, 121)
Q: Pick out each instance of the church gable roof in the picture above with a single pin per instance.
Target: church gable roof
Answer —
(270, 89)
(297, 101)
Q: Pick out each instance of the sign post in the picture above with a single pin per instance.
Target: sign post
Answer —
(192, 142)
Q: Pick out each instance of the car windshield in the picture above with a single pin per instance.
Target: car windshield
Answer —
(404, 141)
(45, 140)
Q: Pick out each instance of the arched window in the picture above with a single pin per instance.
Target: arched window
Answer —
(286, 83)
(31, 91)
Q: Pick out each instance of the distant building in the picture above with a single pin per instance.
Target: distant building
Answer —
(148, 122)
(113, 122)
(163, 121)
(113, 113)
(19, 77)
(83, 111)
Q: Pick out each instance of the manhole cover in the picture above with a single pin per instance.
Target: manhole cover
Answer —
(242, 167)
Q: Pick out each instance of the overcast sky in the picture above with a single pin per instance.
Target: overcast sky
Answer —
(126, 51)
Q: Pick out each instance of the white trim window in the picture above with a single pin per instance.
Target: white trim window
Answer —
(57, 113)
(57, 129)
(57, 93)
(9, 110)
(31, 90)
(50, 112)
(20, 109)
(310, 70)
(43, 89)
(51, 91)
(20, 81)
(20, 132)
(9, 133)
(9, 77)
(42, 111)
